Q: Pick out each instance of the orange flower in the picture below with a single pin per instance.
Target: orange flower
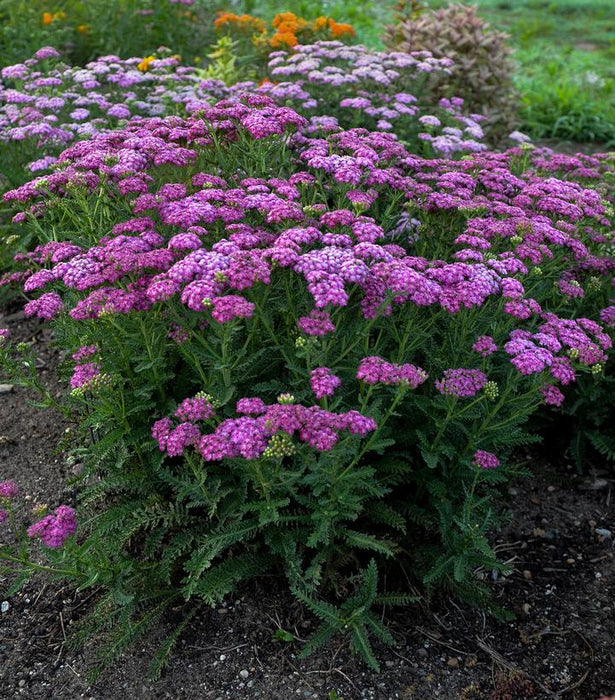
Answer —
(47, 18)
(339, 29)
(239, 22)
(287, 18)
(283, 39)
(321, 23)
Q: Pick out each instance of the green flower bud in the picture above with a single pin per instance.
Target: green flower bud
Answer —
(40, 510)
(492, 391)
(279, 445)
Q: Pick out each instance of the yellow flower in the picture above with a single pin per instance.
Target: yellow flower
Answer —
(82, 29)
(145, 64)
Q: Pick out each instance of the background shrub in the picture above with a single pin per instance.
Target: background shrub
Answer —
(482, 70)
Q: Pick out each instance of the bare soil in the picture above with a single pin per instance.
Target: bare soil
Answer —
(560, 543)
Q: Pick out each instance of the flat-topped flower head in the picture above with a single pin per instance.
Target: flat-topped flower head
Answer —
(54, 530)
(324, 382)
(8, 489)
(462, 383)
(485, 460)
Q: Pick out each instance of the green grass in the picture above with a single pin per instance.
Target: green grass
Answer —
(565, 52)
(559, 22)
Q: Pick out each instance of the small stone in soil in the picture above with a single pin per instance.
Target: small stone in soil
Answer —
(6, 388)
(244, 673)
(453, 662)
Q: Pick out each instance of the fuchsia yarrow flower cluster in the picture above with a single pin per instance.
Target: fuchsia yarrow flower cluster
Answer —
(346, 83)
(54, 530)
(47, 102)
(85, 372)
(485, 460)
(249, 435)
(8, 491)
(209, 241)
(462, 383)
(324, 382)
(375, 370)
(485, 346)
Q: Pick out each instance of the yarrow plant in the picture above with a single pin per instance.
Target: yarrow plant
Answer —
(17, 551)
(319, 349)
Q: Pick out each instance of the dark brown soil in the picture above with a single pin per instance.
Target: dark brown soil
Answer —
(560, 543)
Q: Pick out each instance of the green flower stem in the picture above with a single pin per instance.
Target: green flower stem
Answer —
(37, 567)
(398, 397)
(272, 335)
(150, 356)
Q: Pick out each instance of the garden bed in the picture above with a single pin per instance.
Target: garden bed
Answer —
(561, 590)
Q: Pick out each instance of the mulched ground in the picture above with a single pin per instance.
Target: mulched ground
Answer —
(560, 543)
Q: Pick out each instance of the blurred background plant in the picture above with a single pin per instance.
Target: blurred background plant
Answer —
(85, 30)
(482, 70)
(565, 72)
(253, 40)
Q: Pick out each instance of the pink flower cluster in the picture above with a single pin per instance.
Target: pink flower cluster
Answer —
(84, 372)
(324, 382)
(317, 323)
(551, 395)
(486, 460)
(248, 436)
(8, 489)
(462, 383)
(195, 409)
(54, 530)
(375, 370)
(209, 241)
(535, 352)
(485, 345)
